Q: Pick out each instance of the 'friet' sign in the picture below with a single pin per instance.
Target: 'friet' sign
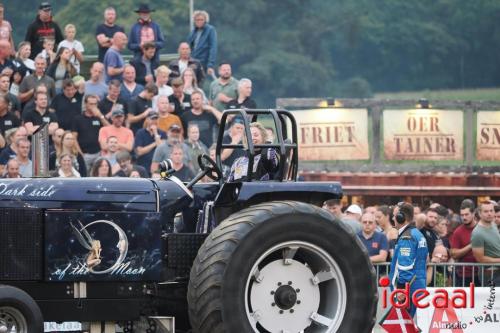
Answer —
(332, 134)
(488, 136)
(423, 134)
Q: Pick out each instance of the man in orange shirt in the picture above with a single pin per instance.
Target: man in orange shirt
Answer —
(124, 135)
(166, 119)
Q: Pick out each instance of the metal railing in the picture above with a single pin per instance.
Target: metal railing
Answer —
(454, 274)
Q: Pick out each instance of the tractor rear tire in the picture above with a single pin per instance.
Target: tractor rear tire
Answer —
(282, 267)
(18, 309)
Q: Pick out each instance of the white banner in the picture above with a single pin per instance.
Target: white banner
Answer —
(70, 326)
(484, 317)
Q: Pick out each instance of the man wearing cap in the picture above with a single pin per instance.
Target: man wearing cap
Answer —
(124, 135)
(145, 30)
(104, 32)
(147, 139)
(67, 104)
(86, 127)
(140, 106)
(162, 152)
(352, 218)
(43, 27)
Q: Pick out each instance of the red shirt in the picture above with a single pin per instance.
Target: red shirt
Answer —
(459, 239)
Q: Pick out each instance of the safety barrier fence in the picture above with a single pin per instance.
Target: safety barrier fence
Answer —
(453, 274)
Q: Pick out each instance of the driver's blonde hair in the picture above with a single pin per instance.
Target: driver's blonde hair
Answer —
(262, 130)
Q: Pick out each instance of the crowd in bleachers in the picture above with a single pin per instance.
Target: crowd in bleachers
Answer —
(471, 235)
(125, 117)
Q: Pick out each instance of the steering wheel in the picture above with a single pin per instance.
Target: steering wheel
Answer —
(208, 167)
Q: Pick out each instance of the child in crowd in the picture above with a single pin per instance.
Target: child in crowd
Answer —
(48, 50)
(74, 45)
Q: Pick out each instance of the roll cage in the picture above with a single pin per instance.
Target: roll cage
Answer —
(286, 147)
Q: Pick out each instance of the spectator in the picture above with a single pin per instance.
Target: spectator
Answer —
(180, 100)
(382, 217)
(101, 168)
(420, 220)
(113, 59)
(166, 119)
(112, 100)
(8, 119)
(27, 87)
(205, 116)
(67, 105)
(13, 104)
(86, 127)
(40, 115)
(6, 66)
(30, 105)
(162, 152)
(124, 135)
(12, 136)
(48, 50)
(61, 68)
(147, 139)
(6, 30)
(224, 89)
(66, 168)
(352, 218)
(497, 216)
(374, 241)
(55, 146)
(145, 30)
(270, 134)
(162, 74)
(22, 157)
(182, 172)
(191, 84)
(408, 264)
(244, 93)
(135, 174)
(460, 243)
(129, 88)
(145, 65)
(334, 206)
(203, 41)
(17, 78)
(234, 136)
(105, 31)
(196, 147)
(225, 169)
(95, 84)
(12, 169)
(75, 46)
(441, 229)
(110, 153)
(485, 239)
(436, 275)
(140, 106)
(430, 235)
(185, 61)
(69, 147)
(23, 63)
(126, 167)
(42, 28)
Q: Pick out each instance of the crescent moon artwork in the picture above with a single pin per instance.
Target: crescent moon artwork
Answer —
(94, 246)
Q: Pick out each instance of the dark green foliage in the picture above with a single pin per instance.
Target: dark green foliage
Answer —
(308, 47)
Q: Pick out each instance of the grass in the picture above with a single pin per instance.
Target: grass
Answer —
(484, 94)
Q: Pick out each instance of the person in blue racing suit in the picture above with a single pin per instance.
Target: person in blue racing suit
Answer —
(408, 264)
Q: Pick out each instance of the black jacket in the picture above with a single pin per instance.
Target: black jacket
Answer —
(39, 30)
(140, 69)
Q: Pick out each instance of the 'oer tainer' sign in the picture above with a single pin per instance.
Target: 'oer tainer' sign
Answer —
(423, 135)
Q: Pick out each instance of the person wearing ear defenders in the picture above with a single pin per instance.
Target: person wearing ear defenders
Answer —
(408, 265)
(143, 31)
